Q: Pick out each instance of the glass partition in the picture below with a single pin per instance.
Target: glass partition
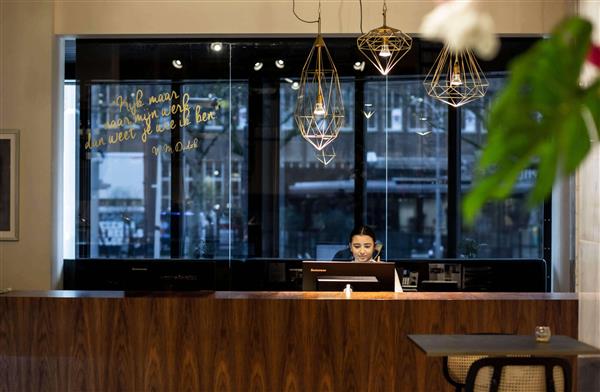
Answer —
(129, 204)
(214, 171)
(316, 200)
(406, 160)
(161, 152)
(506, 229)
(189, 152)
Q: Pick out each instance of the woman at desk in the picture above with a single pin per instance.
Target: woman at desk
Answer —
(363, 245)
(364, 248)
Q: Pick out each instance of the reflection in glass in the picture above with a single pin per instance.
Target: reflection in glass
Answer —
(130, 193)
(505, 229)
(71, 119)
(316, 202)
(407, 170)
(214, 212)
(146, 202)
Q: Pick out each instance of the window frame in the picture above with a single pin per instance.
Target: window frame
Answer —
(265, 126)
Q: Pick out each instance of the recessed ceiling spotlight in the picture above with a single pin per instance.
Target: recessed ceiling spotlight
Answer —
(216, 46)
(258, 66)
(177, 63)
(295, 86)
(359, 66)
(280, 63)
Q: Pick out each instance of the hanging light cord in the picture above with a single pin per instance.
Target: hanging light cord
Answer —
(304, 20)
(361, 29)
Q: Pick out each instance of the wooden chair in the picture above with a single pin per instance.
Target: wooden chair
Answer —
(517, 374)
(456, 368)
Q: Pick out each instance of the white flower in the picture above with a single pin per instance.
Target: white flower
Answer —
(589, 74)
(460, 26)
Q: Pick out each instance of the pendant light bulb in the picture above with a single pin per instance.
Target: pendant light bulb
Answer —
(456, 79)
(385, 49)
(319, 107)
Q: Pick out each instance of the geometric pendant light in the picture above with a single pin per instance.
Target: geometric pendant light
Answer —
(455, 78)
(384, 46)
(326, 155)
(319, 111)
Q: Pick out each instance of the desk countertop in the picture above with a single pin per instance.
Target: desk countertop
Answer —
(294, 295)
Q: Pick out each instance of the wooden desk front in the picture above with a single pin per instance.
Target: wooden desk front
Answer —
(230, 341)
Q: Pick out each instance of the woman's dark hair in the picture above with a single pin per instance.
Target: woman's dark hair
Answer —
(363, 230)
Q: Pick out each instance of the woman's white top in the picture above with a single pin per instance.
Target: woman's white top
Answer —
(397, 285)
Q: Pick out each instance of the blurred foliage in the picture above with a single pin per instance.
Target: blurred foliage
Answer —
(542, 118)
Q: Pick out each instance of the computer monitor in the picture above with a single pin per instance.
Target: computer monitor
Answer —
(335, 275)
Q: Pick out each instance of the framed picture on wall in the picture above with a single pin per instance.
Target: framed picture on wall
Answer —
(9, 185)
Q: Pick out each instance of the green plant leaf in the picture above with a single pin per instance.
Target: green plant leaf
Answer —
(541, 117)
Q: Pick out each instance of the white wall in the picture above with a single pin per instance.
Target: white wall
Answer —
(588, 224)
(276, 17)
(587, 240)
(26, 70)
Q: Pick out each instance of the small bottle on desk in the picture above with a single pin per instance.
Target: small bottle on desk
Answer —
(348, 291)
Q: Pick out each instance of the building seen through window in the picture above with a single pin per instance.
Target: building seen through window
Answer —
(206, 162)
(505, 229)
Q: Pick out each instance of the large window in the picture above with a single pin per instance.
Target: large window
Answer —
(161, 170)
(316, 200)
(406, 158)
(187, 151)
(128, 201)
(214, 172)
(506, 229)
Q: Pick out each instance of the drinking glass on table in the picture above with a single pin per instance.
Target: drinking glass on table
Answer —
(542, 333)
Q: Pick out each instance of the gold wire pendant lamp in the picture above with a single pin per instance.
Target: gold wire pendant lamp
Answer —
(326, 155)
(455, 78)
(384, 46)
(319, 111)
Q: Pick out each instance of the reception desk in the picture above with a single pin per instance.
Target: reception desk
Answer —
(242, 341)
